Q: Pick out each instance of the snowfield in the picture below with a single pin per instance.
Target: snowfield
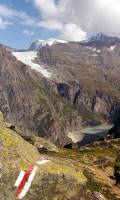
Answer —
(49, 42)
(27, 57)
(112, 48)
(38, 44)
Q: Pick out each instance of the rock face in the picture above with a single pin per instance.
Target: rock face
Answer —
(115, 130)
(87, 76)
(117, 170)
(101, 40)
(96, 196)
(83, 89)
(41, 144)
(28, 102)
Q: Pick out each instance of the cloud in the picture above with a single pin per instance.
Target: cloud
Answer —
(88, 16)
(73, 32)
(9, 13)
(27, 32)
(4, 24)
(51, 24)
(47, 7)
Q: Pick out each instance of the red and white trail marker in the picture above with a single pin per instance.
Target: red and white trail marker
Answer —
(25, 179)
(19, 179)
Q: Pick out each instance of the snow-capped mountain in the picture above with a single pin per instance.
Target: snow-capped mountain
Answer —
(102, 40)
(37, 44)
(63, 77)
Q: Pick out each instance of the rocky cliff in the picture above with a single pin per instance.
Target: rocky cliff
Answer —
(87, 76)
(28, 101)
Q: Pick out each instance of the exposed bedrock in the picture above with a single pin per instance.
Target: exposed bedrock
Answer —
(104, 106)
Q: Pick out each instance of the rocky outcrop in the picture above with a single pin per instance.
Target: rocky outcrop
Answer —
(95, 106)
(96, 196)
(115, 130)
(42, 145)
(117, 170)
(58, 179)
(69, 174)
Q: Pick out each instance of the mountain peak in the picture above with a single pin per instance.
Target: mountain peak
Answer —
(99, 36)
(37, 44)
(102, 40)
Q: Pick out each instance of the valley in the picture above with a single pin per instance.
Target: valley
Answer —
(65, 87)
(60, 100)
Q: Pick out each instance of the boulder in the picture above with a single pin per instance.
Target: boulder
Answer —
(58, 179)
(1, 117)
(96, 196)
(43, 144)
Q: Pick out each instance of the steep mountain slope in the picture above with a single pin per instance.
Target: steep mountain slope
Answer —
(28, 101)
(87, 76)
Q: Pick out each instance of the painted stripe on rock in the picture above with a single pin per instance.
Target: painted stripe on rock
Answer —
(24, 180)
(28, 183)
(19, 179)
(41, 162)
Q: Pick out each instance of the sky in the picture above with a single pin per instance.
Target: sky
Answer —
(23, 21)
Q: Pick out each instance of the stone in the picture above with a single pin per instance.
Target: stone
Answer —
(1, 117)
(96, 196)
(57, 179)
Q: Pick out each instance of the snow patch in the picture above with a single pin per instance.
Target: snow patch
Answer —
(27, 57)
(94, 49)
(112, 48)
(38, 44)
(52, 41)
(98, 51)
(95, 55)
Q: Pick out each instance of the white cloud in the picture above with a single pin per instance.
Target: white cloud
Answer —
(9, 13)
(4, 24)
(28, 32)
(47, 7)
(88, 15)
(51, 24)
(74, 19)
(73, 32)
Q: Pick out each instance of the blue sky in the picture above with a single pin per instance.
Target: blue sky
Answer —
(19, 35)
(23, 21)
